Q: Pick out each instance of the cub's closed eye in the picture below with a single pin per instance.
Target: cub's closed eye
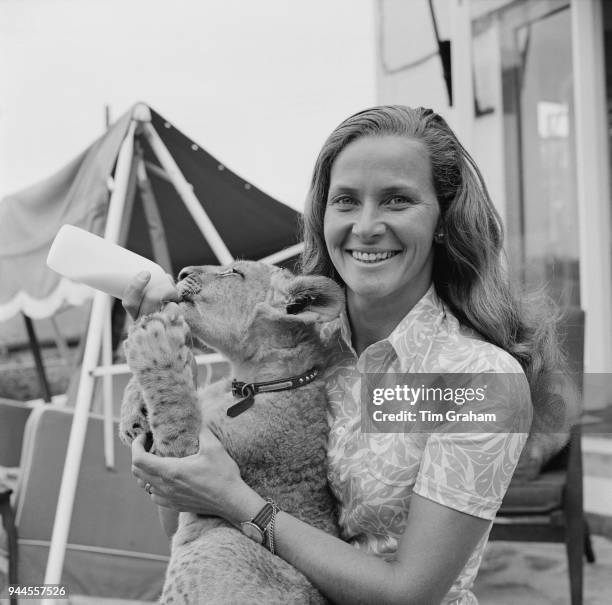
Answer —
(231, 271)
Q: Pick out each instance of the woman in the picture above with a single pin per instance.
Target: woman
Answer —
(398, 214)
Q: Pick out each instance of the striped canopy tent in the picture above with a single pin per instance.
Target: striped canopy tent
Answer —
(165, 168)
(148, 187)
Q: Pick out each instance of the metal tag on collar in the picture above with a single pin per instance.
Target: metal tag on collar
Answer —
(242, 389)
(248, 393)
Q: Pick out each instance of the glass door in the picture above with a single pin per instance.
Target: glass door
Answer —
(542, 206)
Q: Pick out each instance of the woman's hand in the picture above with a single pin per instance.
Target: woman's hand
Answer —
(206, 483)
(139, 300)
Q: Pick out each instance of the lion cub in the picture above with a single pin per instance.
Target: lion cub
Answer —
(265, 320)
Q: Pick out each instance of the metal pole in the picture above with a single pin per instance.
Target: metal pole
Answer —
(189, 198)
(99, 312)
(281, 255)
(107, 391)
(155, 225)
(40, 368)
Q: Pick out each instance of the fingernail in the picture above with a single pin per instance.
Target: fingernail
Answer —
(143, 275)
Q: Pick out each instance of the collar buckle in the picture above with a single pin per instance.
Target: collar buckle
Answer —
(248, 390)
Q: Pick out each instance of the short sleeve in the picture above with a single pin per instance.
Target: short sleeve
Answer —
(471, 471)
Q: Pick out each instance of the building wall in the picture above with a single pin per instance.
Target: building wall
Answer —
(576, 211)
(405, 34)
(409, 71)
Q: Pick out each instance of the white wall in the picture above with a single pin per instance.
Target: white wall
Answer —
(405, 36)
(400, 28)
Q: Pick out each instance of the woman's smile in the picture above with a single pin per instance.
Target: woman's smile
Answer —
(373, 257)
(380, 218)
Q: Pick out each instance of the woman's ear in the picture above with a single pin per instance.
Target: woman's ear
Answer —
(314, 298)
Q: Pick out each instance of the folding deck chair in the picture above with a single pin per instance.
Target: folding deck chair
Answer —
(116, 546)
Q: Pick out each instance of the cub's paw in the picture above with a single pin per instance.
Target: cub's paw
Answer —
(133, 420)
(158, 342)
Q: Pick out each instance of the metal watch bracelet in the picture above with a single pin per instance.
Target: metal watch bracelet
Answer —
(269, 533)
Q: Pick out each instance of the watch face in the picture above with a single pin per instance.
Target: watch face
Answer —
(252, 531)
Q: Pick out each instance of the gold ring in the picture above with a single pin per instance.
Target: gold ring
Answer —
(148, 488)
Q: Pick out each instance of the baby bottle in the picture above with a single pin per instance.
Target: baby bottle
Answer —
(87, 258)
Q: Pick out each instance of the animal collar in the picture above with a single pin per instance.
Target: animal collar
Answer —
(248, 390)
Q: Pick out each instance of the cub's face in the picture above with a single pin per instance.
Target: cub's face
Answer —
(236, 307)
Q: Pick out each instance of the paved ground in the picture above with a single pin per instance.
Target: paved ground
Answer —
(536, 574)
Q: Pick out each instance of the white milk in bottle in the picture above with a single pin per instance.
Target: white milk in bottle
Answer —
(87, 258)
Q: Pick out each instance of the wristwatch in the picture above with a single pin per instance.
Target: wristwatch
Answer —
(261, 527)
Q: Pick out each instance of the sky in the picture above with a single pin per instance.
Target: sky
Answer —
(259, 84)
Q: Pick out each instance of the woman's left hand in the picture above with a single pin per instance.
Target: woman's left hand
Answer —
(206, 483)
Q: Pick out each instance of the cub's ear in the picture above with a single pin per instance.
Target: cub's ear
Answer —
(314, 298)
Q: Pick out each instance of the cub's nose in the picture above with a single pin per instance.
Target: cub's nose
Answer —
(189, 283)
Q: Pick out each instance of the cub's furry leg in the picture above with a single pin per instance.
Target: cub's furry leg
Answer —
(133, 413)
(158, 355)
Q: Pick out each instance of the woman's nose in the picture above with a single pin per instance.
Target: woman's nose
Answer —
(368, 224)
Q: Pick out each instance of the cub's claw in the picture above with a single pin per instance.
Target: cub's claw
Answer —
(133, 420)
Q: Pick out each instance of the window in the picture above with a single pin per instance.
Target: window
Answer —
(539, 137)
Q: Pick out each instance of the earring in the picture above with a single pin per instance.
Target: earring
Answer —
(439, 237)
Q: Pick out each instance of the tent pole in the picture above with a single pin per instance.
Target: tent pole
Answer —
(107, 391)
(107, 335)
(157, 171)
(40, 368)
(63, 514)
(157, 233)
(186, 193)
(281, 255)
(130, 198)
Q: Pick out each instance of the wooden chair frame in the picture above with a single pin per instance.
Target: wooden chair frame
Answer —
(565, 521)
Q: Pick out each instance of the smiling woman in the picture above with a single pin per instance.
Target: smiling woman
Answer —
(399, 216)
(380, 220)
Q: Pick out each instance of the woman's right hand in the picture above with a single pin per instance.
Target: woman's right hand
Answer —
(139, 300)
(206, 483)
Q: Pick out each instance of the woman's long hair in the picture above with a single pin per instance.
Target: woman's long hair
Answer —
(469, 271)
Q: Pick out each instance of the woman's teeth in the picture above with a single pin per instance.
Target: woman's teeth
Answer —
(372, 257)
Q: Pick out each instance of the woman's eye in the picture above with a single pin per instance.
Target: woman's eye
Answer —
(342, 202)
(397, 201)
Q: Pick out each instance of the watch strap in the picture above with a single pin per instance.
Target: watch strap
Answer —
(264, 516)
(269, 534)
(263, 523)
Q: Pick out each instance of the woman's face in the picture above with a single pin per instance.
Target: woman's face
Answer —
(380, 219)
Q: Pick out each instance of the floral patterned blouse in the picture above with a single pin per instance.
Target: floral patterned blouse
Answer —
(373, 475)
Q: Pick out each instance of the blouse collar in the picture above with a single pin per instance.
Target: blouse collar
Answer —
(412, 337)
